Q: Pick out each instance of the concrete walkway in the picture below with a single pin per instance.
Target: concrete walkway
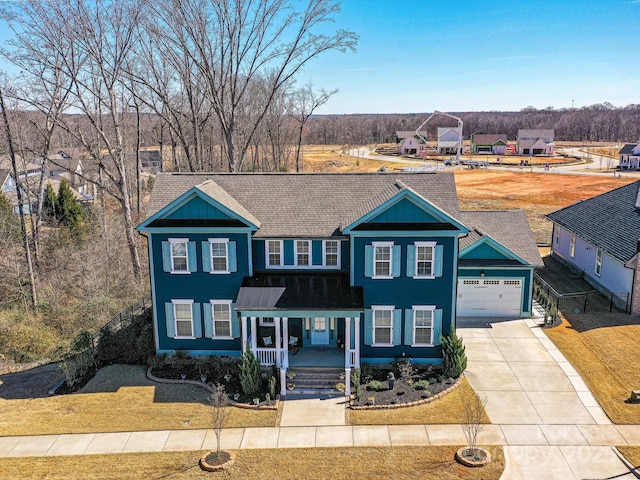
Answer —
(550, 425)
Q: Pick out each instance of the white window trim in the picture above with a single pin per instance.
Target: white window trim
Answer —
(226, 248)
(415, 308)
(433, 259)
(556, 236)
(374, 309)
(598, 265)
(572, 245)
(213, 323)
(383, 244)
(186, 247)
(266, 254)
(309, 252)
(175, 318)
(338, 253)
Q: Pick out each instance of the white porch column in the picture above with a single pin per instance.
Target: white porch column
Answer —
(357, 341)
(278, 342)
(347, 342)
(285, 342)
(254, 335)
(283, 382)
(347, 382)
(244, 328)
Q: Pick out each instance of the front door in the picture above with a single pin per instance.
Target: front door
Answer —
(320, 331)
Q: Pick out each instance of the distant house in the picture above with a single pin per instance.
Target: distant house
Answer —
(600, 237)
(630, 156)
(9, 187)
(495, 143)
(535, 142)
(409, 143)
(449, 140)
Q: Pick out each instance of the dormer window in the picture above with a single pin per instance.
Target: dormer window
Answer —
(274, 253)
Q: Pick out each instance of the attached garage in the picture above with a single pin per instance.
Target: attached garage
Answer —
(489, 297)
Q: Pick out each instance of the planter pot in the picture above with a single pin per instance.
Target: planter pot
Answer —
(227, 378)
(256, 401)
(236, 396)
(203, 379)
(479, 457)
(183, 376)
(391, 383)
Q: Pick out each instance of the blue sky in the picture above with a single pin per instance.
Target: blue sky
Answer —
(477, 55)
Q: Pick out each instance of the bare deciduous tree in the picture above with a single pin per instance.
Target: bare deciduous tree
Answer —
(233, 44)
(221, 410)
(473, 411)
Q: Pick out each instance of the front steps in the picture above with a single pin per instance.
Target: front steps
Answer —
(315, 380)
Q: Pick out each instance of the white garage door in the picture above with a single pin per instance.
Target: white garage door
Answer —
(494, 297)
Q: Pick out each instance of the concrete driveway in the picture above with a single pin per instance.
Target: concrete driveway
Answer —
(553, 426)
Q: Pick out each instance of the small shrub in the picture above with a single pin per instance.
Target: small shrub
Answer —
(249, 373)
(374, 385)
(454, 358)
(422, 385)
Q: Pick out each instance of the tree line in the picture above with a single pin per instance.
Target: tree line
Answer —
(596, 123)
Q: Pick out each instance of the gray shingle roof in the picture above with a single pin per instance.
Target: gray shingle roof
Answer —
(628, 148)
(307, 204)
(610, 221)
(489, 138)
(316, 205)
(509, 228)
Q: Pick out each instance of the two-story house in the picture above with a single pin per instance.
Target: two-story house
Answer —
(359, 267)
(536, 142)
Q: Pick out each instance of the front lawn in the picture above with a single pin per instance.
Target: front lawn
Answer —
(120, 398)
(603, 348)
(399, 463)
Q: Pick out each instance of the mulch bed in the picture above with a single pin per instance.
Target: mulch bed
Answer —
(402, 394)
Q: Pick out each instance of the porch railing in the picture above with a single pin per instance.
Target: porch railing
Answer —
(266, 356)
(352, 358)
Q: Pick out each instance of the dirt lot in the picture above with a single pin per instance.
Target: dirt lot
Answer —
(536, 193)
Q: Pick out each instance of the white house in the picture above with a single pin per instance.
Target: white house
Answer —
(630, 156)
(535, 142)
(449, 139)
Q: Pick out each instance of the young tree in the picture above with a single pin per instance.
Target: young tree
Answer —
(220, 412)
(249, 373)
(50, 203)
(454, 358)
(70, 212)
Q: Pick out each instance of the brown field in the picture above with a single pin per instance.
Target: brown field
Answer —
(536, 193)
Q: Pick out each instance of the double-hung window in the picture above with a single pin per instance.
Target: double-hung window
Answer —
(221, 318)
(331, 252)
(556, 236)
(219, 256)
(274, 253)
(179, 255)
(303, 253)
(183, 318)
(598, 269)
(382, 259)
(383, 325)
(424, 259)
(572, 245)
(422, 325)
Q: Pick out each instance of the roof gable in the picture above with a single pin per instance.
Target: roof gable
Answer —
(404, 206)
(198, 203)
(486, 248)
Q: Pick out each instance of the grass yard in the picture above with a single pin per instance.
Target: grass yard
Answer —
(399, 463)
(120, 399)
(448, 409)
(632, 454)
(603, 349)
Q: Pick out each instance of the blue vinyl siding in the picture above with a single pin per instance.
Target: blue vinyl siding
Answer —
(484, 251)
(404, 211)
(403, 292)
(198, 208)
(258, 250)
(200, 286)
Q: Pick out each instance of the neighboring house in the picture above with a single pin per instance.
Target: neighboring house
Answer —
(495, 143)
(9, 187)
(600, 237)
(359, 267)
(630, 157)
(535, 142)
(61, 166)
(409, 143)
(449, 140)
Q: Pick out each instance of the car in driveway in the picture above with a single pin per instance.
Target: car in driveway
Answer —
(451, 161)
